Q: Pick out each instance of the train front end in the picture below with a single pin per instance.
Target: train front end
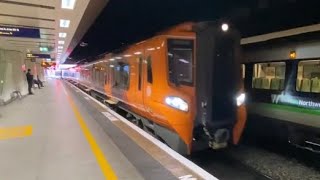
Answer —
(220, 100)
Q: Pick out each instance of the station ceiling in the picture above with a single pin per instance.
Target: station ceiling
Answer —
(46, 15)
(123, 22)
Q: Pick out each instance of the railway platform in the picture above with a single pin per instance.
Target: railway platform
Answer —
(62, 133)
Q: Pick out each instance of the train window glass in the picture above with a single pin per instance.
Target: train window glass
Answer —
(243, 71)
(122, 74)
(308, 76)
(180, 61)
(269, 75)
(149, 70)
(140, 74)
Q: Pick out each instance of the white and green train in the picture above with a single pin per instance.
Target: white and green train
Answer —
(281, 74)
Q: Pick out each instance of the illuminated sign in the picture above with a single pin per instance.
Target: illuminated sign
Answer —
(43, 56)
(19, 32)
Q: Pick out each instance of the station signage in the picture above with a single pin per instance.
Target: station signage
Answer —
(42, 56)
(19, 32)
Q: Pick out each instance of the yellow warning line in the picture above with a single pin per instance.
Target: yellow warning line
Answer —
(105, 167)
(15, 132)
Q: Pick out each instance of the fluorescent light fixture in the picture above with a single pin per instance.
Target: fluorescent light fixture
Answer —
(68, 4)
(60, 42)
(118, 57)
(137, 53)
(62, 35)
(60, 47)
(127, 55)
(111, 59)
(151, 49)
(111, 65)
(64, 23)
(59, 51)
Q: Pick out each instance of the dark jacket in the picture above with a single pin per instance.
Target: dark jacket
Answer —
(29, 77)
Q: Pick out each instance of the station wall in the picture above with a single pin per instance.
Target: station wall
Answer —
(12, 76)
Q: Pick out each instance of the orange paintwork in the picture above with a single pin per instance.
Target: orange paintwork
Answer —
(149, 102)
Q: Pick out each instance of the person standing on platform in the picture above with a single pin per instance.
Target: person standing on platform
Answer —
(29, 80)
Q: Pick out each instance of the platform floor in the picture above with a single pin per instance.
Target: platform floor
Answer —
(60, 134)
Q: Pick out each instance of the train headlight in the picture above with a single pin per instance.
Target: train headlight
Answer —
(177, 103)
(241, 99)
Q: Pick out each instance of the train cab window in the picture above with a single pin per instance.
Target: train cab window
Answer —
(180, 61)
(269, 75)
(308, 76)
(149, 70)
(121, 75)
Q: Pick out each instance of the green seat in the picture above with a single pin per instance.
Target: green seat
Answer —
(257, 83)
(298, 84)
(275, 84)
(315, 85)
(265, 83)
(305, 85)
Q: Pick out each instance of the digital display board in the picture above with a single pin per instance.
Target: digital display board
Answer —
(19, 32)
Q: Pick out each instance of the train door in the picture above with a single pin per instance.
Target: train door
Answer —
(147, 84)
(139, 84)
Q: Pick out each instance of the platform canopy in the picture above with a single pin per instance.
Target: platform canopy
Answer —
(52, 27)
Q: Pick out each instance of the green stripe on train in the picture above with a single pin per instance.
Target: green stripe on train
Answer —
(291, 108)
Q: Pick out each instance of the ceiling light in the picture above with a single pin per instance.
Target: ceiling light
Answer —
(59, 50)
(60, 47)
(127, 55)
(43, 49)
(60, 42)
(64, 23)
(118, 57)
(62, 35)
(137, 53)
(68, 4)
(111, 59)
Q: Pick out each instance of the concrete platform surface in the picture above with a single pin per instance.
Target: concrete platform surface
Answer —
(61, 134)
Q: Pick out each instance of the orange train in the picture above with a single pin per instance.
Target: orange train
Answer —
(154, 81)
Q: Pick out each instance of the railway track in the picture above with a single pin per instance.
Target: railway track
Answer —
(225, 166)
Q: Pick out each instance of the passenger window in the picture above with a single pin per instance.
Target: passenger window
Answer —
(149, 73)
(122, 75)
(180, 60)
(243, 71)
(269, 76)
(308, 76)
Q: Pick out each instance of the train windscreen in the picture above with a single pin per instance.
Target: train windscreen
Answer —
(180, 60)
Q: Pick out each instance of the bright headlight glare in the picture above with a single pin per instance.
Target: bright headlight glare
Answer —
(241, 99)
(177, 103)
